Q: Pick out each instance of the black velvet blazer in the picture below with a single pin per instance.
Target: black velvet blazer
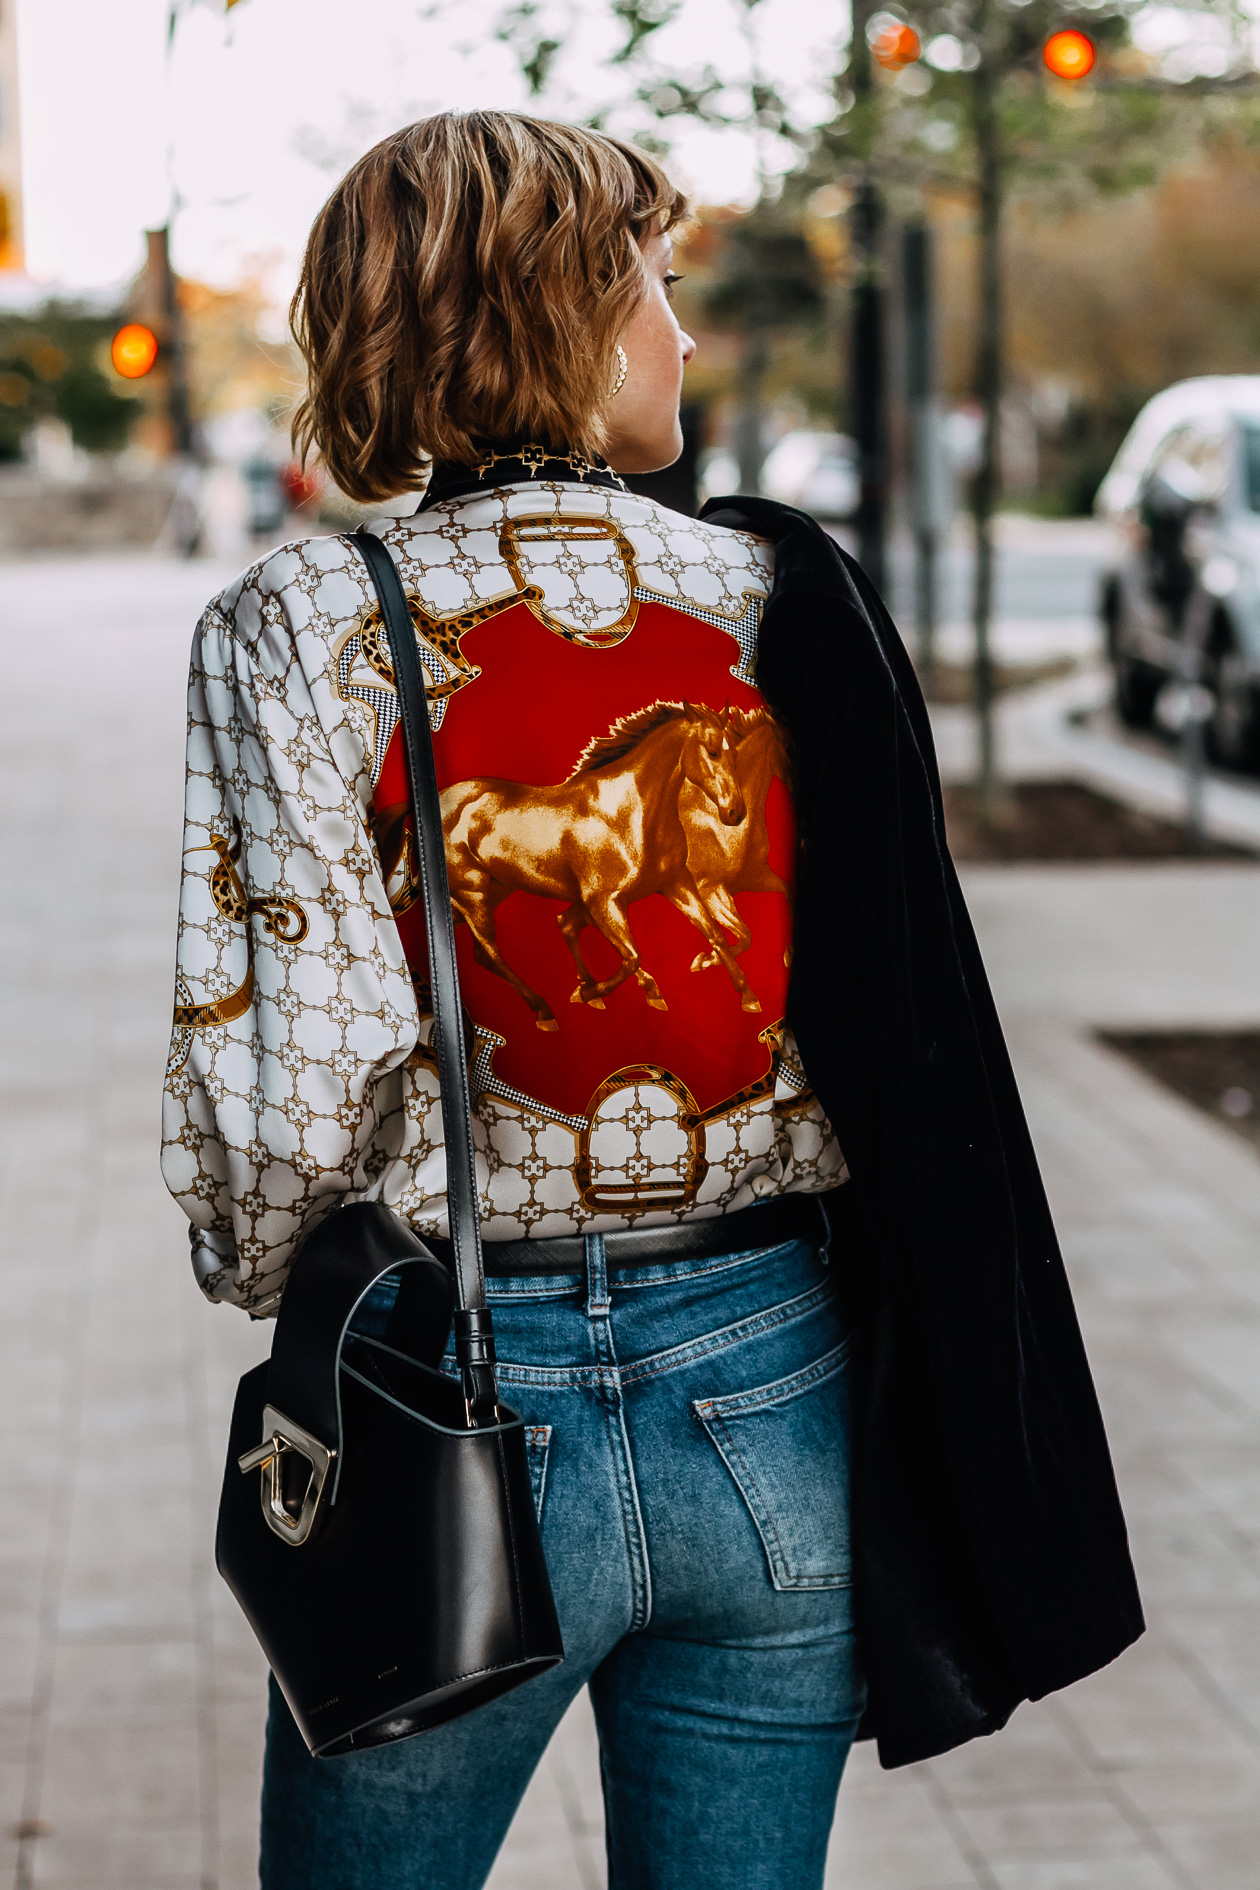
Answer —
(992, 1564)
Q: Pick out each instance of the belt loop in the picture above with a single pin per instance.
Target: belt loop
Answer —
(597, 1300)
(824, 1251)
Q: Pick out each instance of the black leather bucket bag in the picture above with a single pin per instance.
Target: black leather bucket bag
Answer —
(377, 1521)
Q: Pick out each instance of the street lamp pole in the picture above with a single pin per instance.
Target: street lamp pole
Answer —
(986, 485)
(867, 402)
(926, 506)
(165, 294)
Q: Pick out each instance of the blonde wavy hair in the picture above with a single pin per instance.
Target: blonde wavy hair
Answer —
(464, 288)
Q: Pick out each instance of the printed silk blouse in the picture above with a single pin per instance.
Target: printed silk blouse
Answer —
(620, 844)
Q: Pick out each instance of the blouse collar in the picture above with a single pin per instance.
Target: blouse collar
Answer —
(524, 465)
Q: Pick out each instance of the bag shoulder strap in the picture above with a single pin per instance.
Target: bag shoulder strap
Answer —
(474, 1343)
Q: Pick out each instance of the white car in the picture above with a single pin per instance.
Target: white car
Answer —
(1182, 599)
(814, 471)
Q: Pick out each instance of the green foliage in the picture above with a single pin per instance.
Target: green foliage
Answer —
(1115, 131)
(639, 19)
(701, 97)
(11, 434)
(767, 277)
(50, 369)
(99, 419)
(536, 50)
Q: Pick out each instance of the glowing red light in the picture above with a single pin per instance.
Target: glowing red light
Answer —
(1069, 54)
(133, 350)
(897, 46)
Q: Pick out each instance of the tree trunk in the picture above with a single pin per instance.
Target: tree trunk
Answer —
(988, 387)
(916, 277)
(750, 430)
(866, 399)
(174, 356)
(866, 344)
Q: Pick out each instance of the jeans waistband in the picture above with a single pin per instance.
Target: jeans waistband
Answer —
(764, 1224)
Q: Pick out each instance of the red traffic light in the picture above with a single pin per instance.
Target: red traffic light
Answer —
(133, 350)
(1069, 54)
(893, 43)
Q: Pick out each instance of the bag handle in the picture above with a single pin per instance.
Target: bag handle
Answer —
(474, 1336)
(341, 1261)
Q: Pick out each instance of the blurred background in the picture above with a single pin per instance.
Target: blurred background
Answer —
(977, 284)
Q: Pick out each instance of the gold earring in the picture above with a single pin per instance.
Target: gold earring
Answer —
(623, 368)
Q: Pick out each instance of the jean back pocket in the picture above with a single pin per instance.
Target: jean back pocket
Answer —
(787, 1447)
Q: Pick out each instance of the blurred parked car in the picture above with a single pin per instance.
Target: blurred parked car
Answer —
(1183, 597)
(814, 471)
(266, 499)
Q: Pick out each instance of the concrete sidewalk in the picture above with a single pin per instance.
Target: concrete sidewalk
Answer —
(130, 1689)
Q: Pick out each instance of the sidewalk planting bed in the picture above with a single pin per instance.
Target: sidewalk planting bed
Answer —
(954, 684)
(1217, 1070)
(1063, 820)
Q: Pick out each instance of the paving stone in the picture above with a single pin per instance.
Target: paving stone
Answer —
(12, 1780)
(122, 1681)
(557, 1835)
(151, 1859)
(1138, 1871)
(1146, 1704)
(1218, 1851)
(1193, 1788)
(1228, 1475)
(1062, 1829)
(1032, 1758)
(233, 1780)
(9, 1854)
(121, 1779)
(1220, 1642)
(889, 1833)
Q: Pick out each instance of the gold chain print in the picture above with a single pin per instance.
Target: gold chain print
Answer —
(283, 919)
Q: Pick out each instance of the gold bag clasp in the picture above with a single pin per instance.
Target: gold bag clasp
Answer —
(281, 1434)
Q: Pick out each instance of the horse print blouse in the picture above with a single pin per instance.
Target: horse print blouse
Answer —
(620, 843)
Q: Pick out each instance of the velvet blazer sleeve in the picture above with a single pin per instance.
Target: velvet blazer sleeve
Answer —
(992, 1558)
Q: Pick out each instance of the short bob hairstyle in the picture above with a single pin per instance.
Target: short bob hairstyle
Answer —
(464, 288)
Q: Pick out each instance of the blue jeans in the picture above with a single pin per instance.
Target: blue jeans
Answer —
(688, 1436)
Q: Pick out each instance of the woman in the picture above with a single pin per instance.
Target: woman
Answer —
(801, 1444)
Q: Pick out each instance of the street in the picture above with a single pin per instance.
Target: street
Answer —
(131, 1690)
(1045, 595)
(1045, 568)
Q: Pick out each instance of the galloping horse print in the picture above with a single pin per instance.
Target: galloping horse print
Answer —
(722, 859)
(608, 835)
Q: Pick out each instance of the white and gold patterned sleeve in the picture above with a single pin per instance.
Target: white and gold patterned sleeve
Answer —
(294, 1076)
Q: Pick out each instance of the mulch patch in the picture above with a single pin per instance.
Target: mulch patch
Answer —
(1062, 820)
(1217, 1070)
(955, 683)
